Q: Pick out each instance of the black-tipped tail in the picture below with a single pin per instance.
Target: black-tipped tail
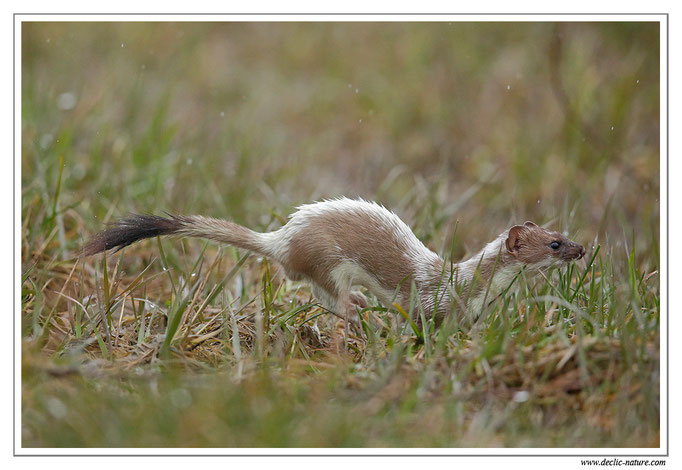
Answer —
(131, 229)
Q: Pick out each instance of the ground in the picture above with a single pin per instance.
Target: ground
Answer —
(463, 129)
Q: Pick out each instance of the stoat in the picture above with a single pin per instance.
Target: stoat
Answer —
(337, 244)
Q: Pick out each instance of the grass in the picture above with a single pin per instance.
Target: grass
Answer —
(460, 128)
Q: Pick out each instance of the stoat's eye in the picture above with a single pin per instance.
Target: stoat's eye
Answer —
(555, 245)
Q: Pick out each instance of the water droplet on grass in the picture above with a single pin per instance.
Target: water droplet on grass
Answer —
(66, 101)
(56, 408)
(46, 140)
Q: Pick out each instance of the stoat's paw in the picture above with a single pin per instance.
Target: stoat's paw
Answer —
(358, 299)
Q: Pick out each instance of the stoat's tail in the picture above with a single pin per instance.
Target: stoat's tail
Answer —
(137, 227)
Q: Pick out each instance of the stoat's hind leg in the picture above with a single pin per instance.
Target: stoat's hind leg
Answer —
(327, 300)
(342, 303)
(348, 302)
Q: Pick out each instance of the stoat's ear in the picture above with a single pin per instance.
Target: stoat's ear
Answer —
(530, 224)
(514, 238)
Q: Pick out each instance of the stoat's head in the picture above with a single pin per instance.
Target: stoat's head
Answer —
(535, 246)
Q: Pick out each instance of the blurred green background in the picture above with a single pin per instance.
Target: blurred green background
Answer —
(497, 122)
(450, 124)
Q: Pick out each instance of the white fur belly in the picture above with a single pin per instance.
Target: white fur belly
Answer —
(501, 280)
